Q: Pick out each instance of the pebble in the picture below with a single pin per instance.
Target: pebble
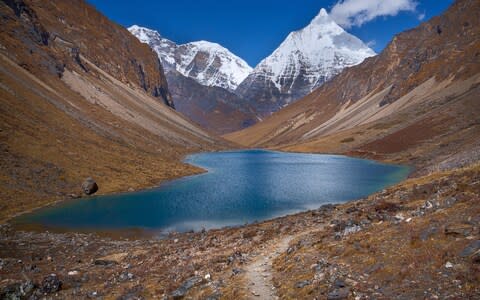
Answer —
(448, 265)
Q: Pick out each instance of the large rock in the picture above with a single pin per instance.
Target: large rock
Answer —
(51, 284)
(89, 186)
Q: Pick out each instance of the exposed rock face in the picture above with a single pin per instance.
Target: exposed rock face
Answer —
(305, 60)
(89, 186)
(208, 63)
(201, 78)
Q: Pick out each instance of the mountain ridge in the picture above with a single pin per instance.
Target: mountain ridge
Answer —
(373, 102)
(304, 60)
(208, 63)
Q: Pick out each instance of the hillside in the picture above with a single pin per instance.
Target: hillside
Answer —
(213, 108)
(415, 102)
(78, 102)
(75, 104)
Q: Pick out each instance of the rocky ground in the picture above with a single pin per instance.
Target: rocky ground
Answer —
(418, 239)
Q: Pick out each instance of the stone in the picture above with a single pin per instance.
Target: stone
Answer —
(352, 229)
(448, 265)
(104, 262)
(339, 294)
(458, 229)
(186, 286)
(302, 284)
(339, 283)
(17, 290)
(51, 284)
(236, 271)
(89, 186)
(125, 276)
(470, 249)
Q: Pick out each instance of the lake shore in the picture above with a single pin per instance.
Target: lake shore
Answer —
(223, 196)
(400, 223)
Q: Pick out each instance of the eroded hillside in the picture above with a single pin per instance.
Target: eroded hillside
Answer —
(77, 101)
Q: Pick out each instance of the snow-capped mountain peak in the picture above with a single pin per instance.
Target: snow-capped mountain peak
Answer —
(208, 63)
(144, 34)
(303, 61)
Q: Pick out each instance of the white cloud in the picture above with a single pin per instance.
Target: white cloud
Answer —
(371, 43)
(348, 13)
(421, 16)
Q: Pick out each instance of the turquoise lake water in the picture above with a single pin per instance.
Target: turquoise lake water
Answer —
(240, 187)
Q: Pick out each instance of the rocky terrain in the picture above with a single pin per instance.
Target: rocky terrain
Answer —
(202, 77)
(73, 108)
(306, 59)
(419, 239)
(416, 103)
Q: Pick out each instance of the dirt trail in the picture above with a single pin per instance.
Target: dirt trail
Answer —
(258, 273)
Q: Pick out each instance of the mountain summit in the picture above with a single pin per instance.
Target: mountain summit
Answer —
(305, 60)
(208, 63)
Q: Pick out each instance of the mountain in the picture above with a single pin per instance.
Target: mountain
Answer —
(415, 102)
(80, 96)
(305, 60)
(213, 108)
(201, 78)
(208, 63)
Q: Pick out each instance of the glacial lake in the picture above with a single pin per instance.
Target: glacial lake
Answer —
(240, 187)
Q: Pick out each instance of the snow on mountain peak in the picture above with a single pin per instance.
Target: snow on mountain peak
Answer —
(321, 50)
(322, 17)
(144, 34)
(304, 60)
(208, 63)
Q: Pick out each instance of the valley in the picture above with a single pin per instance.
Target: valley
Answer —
(75, 104)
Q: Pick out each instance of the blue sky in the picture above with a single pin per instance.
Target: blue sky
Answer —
(252, 29)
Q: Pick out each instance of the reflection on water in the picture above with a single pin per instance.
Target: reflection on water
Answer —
(240, 187)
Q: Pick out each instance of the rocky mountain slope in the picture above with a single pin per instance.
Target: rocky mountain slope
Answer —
(419, 239)
(208, 63)
(201, 78)
(415, 101)
(77, 101)
(305, 60)
(213, 108)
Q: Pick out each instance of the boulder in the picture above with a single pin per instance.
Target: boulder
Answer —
(51, 284)
(89, 186)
